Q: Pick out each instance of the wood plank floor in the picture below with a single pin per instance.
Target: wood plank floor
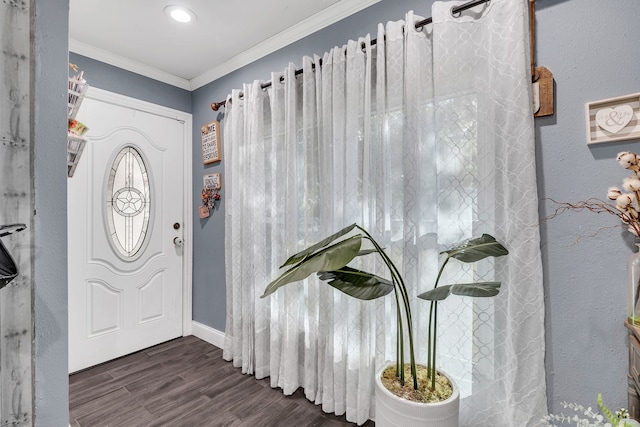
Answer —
(185, 382)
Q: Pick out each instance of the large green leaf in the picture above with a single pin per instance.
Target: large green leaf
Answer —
(436, 294)
(473, 250)
(311, 249)
(333, 257)
(364, 252)
(358, 284)
(477, 289)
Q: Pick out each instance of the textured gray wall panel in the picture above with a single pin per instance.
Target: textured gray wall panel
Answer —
(16, 331)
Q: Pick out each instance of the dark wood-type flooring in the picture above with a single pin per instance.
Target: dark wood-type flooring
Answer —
(185, 382)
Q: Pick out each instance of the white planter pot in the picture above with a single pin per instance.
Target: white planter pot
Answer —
(392, 411)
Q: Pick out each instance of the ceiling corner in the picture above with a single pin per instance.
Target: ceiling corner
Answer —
(110, 58)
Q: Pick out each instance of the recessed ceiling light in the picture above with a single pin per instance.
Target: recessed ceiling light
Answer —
(179, 13)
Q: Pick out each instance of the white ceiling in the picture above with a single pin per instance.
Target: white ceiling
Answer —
(226, 34)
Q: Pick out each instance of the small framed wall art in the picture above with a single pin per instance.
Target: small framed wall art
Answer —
(613, 119)
(212, 181)
(210, 134)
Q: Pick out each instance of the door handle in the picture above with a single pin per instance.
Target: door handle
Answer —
(178, 241)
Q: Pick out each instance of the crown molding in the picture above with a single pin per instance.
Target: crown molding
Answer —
(127, 64)
(314, 23)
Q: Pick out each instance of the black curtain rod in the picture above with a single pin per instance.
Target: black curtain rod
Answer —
(215, 106)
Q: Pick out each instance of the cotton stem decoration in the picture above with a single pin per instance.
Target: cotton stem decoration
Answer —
(626, 205)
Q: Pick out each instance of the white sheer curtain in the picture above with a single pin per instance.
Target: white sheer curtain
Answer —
(424, 139)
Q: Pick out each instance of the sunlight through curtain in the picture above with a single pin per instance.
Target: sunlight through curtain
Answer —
(425, 138)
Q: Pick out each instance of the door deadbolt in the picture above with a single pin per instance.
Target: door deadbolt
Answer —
(176, 226)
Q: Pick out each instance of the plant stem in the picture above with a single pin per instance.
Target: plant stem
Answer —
(397, 343)
(409, 320)
(400, 345)
(429, 340)
(400, 285)
(634, 224)
(435, 322)
(440, 272)
(433, 335)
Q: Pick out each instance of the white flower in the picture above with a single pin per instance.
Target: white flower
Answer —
(631, 183)
(623, 201)
(613, 193)
(627, 159)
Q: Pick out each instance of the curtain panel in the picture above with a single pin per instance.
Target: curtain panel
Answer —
(425, 138)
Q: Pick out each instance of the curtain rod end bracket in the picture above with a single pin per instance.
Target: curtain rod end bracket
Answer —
(215, 106)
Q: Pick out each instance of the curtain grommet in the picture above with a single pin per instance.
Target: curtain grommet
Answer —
(467, 6)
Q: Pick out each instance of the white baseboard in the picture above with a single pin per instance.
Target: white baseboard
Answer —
(208, 334)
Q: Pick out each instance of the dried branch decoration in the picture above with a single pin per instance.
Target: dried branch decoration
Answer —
(627, 204)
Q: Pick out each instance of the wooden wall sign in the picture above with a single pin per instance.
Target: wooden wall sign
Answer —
(211, 142)
(543, 92)
(613, 119)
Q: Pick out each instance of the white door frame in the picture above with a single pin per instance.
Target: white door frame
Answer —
(187, 214)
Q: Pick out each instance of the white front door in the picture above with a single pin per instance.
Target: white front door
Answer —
(126, 223)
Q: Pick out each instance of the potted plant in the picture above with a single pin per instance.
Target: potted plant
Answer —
(329, 259)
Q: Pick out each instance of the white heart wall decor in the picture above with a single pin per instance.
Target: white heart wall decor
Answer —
(614, 119)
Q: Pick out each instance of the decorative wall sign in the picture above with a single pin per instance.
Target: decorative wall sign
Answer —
(210, 193)
(543, 92)
(204, 211)
(212, 181)
(613, 119)
(211, 142)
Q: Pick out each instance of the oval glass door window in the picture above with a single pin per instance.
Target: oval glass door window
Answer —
(128, 203)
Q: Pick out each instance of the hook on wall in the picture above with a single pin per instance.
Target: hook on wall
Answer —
(8, 268)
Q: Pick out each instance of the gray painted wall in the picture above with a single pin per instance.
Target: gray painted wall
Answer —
(49, 127)
(117, 80)
(591, 47)
(592, 50)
